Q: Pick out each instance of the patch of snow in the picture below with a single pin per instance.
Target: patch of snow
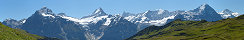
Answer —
(203, 6)
(44, 14)
(107, 21)
(142, 20)
(23, 21)
(73, 19)
(97, 11)
(236, 14)
(226, 16)
(145, 13)
(85, 21)
(94, 19)
(221, 13)
(85, 26)
(129, 18)
(161, 22)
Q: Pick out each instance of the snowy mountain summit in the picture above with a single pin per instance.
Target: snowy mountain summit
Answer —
(228, 14)
(99, 11)
(45, 10)
(203, 12)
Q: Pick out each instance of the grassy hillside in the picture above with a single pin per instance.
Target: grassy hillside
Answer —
(7, 33)
(226, 29)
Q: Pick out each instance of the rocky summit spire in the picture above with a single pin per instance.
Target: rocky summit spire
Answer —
(204, 8)
(99, 11)
(45, 10)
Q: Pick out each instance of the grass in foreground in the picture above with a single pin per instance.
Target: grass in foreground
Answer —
(7, 33)
(226, 29)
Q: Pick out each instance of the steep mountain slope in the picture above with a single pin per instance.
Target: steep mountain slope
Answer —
(97, 26)
(45, 23)
(7, 33)
(203, 12)
(226, 29)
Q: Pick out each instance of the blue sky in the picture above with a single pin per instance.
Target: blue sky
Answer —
(19, 9)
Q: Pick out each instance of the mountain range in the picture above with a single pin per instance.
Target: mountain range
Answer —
(102, 26)
(225, 29)
(161, 17)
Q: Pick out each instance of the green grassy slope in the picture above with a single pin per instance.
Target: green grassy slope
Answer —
(226, 29)
(7, 33)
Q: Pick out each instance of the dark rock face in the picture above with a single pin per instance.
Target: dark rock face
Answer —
(45, 23)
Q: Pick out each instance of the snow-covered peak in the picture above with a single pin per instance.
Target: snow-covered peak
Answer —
(227, 11)
(99, 11)
(235, 14)
(45, 10)
(228, 14)
(204, 6)
(204, 9)
(160, 11)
